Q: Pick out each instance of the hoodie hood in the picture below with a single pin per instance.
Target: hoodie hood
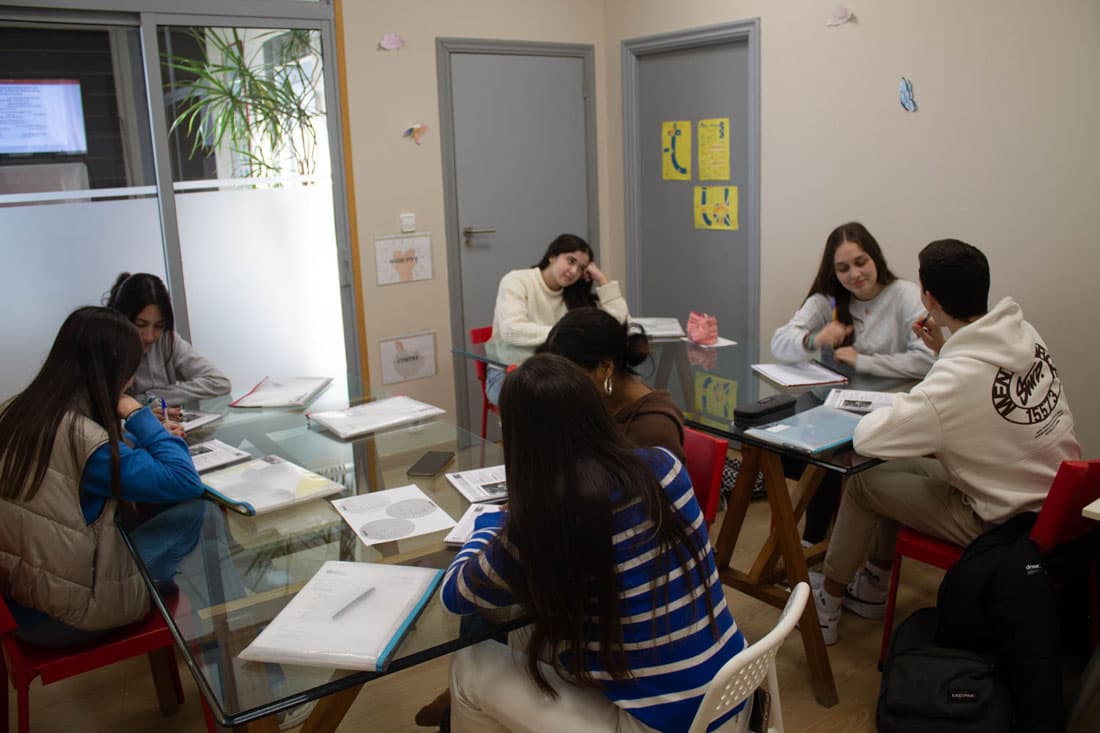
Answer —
(1000, 338)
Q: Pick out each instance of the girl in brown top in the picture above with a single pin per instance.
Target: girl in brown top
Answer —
(608, 351)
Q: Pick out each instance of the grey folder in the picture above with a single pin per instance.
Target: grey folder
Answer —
(814, 431)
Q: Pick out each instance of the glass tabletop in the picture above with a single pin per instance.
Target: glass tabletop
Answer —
(708, 384)
(241, 571)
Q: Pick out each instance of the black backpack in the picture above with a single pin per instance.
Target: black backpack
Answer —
(926, 687)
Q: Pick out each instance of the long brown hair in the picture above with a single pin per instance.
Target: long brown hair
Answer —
(569, 469)
(579, 294)
(826, 282)
(95, 353)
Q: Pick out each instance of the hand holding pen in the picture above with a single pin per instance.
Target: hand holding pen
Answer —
(930, 333)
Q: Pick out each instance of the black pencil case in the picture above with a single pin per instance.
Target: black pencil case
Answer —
(764, 410)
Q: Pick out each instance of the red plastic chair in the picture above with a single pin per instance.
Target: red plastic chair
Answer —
(480, 336)
(1076, 484)
(23, 662)
(705, 458)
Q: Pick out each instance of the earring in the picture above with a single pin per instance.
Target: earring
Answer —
(607, 385)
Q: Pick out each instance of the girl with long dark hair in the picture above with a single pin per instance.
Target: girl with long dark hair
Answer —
(170, 369)
(605, 549)
(65, 465)
(531, 300)
(608, 351)
(860, 309)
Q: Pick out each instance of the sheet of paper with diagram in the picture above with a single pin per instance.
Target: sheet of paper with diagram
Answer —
(393, 514)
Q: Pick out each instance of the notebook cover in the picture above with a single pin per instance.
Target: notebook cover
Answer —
(814, 431)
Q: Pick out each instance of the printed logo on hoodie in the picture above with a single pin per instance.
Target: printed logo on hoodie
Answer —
(1031, 397)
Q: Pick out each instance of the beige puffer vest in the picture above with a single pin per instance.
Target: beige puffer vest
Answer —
(79, 574)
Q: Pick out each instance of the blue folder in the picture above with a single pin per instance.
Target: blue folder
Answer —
(814, 431)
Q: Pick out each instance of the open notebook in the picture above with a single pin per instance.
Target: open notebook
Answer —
(266, 484)
(350, 615)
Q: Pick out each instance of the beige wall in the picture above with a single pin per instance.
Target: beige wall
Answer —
(388, 91)
(1003, 152)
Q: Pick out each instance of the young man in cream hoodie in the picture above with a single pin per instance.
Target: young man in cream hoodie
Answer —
(991, 412)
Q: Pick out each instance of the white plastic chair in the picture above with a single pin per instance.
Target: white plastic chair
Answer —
(740, 676)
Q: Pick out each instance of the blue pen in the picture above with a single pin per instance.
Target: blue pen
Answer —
(164, 408)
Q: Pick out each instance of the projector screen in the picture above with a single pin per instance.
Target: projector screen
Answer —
(41, 116)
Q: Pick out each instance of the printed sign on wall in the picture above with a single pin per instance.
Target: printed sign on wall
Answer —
(716, 207)
(676, 151)
(714, 149)
(403, 259)
(405, 358)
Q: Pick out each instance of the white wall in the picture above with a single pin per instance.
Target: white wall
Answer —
(1001, 154)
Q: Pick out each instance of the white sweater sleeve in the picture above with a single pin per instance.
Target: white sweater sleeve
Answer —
(810, 318)
(512, 317)
(908, 429)
(612, 300)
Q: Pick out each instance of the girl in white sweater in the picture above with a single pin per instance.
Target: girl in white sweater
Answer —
(860, 309)
(530, 301)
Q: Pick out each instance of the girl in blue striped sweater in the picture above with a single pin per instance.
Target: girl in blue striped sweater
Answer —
(606, 550)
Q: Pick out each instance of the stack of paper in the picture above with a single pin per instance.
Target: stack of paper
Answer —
(191, 420)
(350, 615)
(859, 401)
(282, 392)
(211, 454)
(266, 484)
(371, 417)
(660, 328)
(805, 374)
(480, 484)
(460, 535)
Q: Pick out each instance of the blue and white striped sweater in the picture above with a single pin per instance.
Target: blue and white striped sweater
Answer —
(671, 671)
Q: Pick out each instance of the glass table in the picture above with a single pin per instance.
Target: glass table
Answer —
(241, 571)
(709, 388)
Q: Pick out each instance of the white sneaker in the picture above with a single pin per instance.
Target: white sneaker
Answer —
(866, 595)
(828, 615)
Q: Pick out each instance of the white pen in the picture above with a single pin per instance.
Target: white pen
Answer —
(343, 609)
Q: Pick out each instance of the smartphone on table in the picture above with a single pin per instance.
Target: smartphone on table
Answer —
(431, 463)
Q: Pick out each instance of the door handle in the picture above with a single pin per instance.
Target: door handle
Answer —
(469, 232)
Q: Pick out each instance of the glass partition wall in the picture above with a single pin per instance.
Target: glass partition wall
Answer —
(207, 154)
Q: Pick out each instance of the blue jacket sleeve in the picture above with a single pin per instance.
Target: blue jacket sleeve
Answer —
(158, 469)
(474, 579)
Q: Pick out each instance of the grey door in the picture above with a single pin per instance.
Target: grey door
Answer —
(674, 267)
(517, 142)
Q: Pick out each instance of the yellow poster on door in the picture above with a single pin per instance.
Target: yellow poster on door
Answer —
(714, 149)
(676, 151)
(716, 207)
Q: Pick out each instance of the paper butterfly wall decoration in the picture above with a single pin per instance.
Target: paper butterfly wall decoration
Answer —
(416, 132)
(391, 42)
(905, 95)
(840, 16)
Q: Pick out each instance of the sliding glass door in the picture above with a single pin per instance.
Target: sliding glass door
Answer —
(207, 154)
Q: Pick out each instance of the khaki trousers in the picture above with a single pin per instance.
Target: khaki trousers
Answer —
(913, 492)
